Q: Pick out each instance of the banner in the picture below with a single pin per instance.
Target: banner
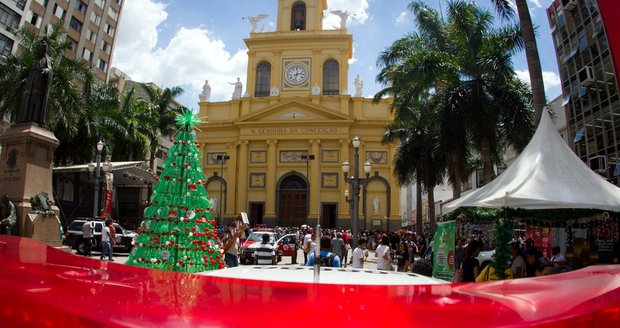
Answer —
(443, 248)
(543, 238)
(109, 182)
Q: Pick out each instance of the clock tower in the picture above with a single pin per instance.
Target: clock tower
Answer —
(300, 58)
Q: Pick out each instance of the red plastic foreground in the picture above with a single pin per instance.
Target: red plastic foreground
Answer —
(44, 287)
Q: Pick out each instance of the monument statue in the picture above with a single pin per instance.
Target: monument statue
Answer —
(214, 204)
(36, 91)
(255, 19)
(359, 86)
(206, 92)
(344, 15)
(8, 224)
(375, 204)
(238, 89)
(41, 204)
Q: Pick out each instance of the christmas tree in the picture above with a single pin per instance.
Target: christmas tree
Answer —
(178, 232)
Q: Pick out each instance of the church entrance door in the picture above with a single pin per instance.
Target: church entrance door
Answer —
(292, 201)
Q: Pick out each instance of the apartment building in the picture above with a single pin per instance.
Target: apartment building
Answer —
(91, 26)
(587, 43)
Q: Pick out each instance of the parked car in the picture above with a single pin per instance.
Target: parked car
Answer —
(251, 243)
(286, 246)
(74, 239)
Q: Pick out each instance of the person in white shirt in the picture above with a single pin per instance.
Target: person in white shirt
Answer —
(87, 236)
(307, 237)
(383, 254)
(106, 240)
(360, 254)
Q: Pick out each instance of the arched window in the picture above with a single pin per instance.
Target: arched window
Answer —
(263, 79)
(331, 78)
(298, 16)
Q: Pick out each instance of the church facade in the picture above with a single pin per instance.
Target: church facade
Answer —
(276, 151)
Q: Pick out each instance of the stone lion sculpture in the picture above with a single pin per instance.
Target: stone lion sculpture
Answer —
(41, 204)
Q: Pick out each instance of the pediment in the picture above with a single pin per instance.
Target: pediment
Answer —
(293, 111)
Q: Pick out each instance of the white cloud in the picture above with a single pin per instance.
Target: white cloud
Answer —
(192, 56)
(551, 79)
(357, 9)
(402, 18)
(536, 3)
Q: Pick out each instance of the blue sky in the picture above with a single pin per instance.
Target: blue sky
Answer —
(185, 42)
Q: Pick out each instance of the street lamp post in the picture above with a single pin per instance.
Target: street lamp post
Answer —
(356, 182)
(222, 159)
(97, 173)
(307, 158)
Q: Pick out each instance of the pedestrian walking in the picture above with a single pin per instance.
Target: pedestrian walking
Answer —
(87, 236)
(107, 235)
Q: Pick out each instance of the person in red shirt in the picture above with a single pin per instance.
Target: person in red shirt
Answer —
(346, 237)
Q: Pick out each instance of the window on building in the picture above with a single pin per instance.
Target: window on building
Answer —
(113, 13)
(105, 46)
(263, 79)
(35, 19)
(579, 135)
(95, 18)
(75, 24)
(583, 41)
(331, 78)
(91, 36)
(103, 65)
(109, 29)
(87, 54)
(298, 16)
(6, 45)
(73, 44)
(59, 11)
(81, 7)
(100, 3)
(8, 18)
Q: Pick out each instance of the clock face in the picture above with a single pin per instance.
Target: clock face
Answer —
(296, 74)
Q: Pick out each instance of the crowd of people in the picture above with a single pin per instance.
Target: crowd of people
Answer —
(397, 251)
(527, 260)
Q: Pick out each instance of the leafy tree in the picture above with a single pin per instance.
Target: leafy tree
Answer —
(136, 119)
(163, 113)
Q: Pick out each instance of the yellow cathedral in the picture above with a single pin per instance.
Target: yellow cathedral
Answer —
(276, 152)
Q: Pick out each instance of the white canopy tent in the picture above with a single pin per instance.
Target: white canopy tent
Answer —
(546, 175)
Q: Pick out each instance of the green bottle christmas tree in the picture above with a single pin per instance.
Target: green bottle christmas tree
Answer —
(178, 232)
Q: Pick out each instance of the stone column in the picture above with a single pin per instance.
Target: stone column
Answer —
(242, 185)
(315, 180)
(231, 180)
(271, 180)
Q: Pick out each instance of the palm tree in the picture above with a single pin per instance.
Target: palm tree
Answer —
(505, 9)
(487, 88)
(163, 115)
(100, 120)
(136, 119)
(418, 157)
(65, 101)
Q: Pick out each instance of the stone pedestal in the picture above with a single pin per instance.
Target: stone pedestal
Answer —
(26, 169)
